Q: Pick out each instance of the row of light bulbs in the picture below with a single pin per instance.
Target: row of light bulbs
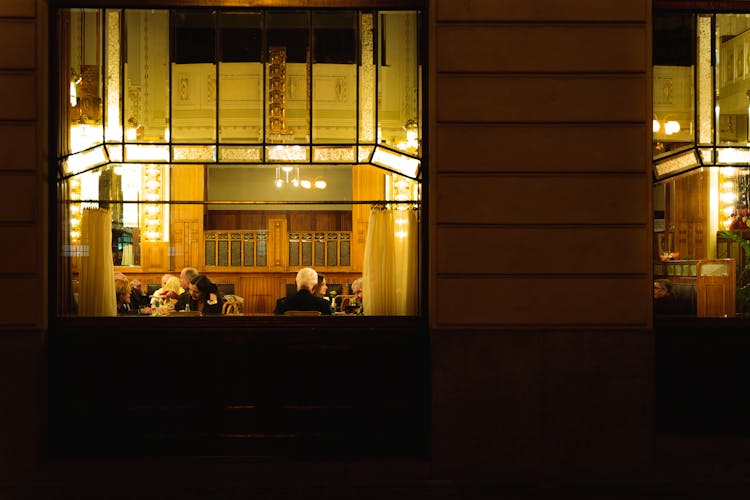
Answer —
(670, 127)
(283, 178)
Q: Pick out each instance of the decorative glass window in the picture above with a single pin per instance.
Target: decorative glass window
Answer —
(217, 139)
(702, 160)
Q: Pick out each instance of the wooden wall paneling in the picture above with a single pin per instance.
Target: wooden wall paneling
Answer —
(301, 221)
(542, 10)
(580, 147)
(690, 215)
(18, 193)
(585, 301)
(20, 250)
(154, 256)
(551, 48)
(539, 98)
(543, 250)
(278, 252)
(18, 146)
(21, 35)
(186, 221)
(554, 199)
(17, 96)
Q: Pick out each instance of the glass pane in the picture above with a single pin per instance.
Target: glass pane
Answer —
(147, 76)
(398, 81)
(288, 93)
(732, 78)
(334, 77)
(674, 74)
(85, 77)
(113, 116)
(241, 78)
(194, 77)
(367, 78)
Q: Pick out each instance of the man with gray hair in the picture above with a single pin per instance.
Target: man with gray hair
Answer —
(186, 275)
(304, 300)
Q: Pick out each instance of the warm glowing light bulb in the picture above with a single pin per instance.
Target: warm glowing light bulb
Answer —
(306, 184)
(657, 126)
(320, 184)
(279, 183)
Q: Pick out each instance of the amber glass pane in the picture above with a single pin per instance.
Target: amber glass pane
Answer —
(334, 77)
(194, 77)
(398, 81)
(241, 78)
(287, 74)
(85, 78)
(674, 82)
(146, 69)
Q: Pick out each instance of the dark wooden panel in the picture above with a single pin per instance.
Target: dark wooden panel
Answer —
(20, 35)
(252, 388)
(20, 249)
(18, 96)
(18, 147)
(542, 10)
(573, 199)
(543, 250)
(535, 48)
(18, 194)
(529, 99)
(516, 148)
(547, 301)
(18, 8)
(25, 313)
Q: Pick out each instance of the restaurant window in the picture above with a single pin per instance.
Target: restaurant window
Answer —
(701, 164)
(245, 143)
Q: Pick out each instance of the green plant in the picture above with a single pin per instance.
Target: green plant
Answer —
(743, 275)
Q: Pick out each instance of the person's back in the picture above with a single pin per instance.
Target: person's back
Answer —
(304, 299)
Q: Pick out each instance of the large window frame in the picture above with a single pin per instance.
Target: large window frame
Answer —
(387, 157)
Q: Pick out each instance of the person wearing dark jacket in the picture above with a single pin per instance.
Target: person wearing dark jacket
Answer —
(664, 299)
(304, 299)
(204, 295)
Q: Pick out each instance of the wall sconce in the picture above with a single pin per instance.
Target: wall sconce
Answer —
(669, 127)
(75, 80)
(75, 211)
(134, 131)
(152, 216)
(411, 144)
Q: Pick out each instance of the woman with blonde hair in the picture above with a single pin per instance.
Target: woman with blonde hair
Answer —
(170, 292)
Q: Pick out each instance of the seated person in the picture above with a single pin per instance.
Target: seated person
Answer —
(170, 293)
(155, 298)
(186, 276)
(122, 294)
(664, 300)
(321, 288)
(304, 299)
(355, 304)
(138, 297)
(204, 295)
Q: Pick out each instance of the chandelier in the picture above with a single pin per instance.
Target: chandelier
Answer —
(290, 176)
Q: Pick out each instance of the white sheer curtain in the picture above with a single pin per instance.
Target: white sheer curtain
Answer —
(97, 290)
(391, 263)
